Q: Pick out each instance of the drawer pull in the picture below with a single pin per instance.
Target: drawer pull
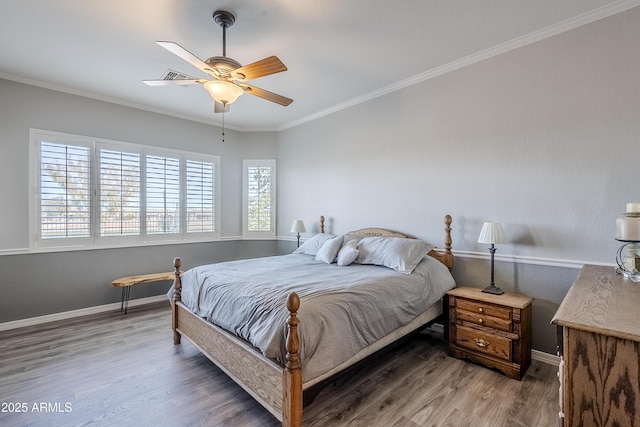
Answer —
(480, 310)
(481, 343)
(479, 320)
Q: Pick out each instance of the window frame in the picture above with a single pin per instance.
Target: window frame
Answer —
(202, 235)
(246, 233)
(95, 240)
(35, 190)
(154, 237)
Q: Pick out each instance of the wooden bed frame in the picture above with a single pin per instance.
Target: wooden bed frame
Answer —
(279, 389)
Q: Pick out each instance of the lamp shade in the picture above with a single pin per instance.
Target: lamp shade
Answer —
(223, 91)
(298, 226)
(492, 233)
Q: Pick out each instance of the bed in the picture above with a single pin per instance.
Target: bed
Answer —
(235, 312)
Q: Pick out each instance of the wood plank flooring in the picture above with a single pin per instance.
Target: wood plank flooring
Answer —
(110, 369)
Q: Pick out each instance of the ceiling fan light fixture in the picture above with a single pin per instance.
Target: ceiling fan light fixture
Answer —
(222, 91)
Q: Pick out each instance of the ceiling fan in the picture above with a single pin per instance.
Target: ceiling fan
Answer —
(226, 77)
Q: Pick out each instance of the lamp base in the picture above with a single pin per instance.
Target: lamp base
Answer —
(493, 289)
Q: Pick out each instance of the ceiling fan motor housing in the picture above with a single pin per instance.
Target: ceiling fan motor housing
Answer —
(223, 65)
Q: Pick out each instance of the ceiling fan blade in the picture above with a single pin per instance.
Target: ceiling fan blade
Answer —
(176, 82)
(265, 94)
(264, 67)
(219, 107)
(183, 53)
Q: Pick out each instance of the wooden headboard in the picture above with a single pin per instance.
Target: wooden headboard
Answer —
(377, 232)
(444, 256)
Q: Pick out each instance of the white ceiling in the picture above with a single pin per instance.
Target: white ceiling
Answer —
(338, 52)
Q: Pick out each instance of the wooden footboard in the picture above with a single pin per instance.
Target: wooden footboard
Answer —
(276, 388)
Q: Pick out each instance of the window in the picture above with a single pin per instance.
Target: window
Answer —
(94, 192)
(259, 196)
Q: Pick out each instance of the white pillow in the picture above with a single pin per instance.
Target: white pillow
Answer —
(348, 252)
(329, 250)
(313, 245)
(394, 252)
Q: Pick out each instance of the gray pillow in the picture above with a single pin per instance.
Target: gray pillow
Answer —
(394, 252)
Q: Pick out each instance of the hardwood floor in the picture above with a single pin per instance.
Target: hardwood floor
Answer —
(111, 369)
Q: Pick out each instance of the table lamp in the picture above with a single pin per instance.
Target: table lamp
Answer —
(298, 227)
(492, 233)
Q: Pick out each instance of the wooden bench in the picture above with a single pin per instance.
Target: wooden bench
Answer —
(127, 282)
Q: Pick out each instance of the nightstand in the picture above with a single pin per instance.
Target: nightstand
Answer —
(494, 330)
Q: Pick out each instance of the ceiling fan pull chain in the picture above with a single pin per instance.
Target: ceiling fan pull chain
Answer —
(223, 124)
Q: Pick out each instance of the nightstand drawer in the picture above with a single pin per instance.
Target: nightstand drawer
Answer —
(484, 308)
(483, 342)
(483, 320)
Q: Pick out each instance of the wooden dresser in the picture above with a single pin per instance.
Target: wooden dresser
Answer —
(599, 345)
(494, 330)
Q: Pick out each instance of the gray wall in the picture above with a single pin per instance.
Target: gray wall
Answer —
(543, 139)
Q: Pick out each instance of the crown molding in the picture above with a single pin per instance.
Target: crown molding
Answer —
(111, 100)
(527, 39)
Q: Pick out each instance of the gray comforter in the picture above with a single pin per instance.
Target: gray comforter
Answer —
(342, 309)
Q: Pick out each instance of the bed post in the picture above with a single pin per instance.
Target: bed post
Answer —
(177, 287)
(322, 224)
(292, 396)
(448, 255)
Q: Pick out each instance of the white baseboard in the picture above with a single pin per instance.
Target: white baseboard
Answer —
(543, 357)
(32, 321)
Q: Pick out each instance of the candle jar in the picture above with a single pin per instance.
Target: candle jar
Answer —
(628, 231)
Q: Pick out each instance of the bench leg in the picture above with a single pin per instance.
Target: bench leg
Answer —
(126, 291)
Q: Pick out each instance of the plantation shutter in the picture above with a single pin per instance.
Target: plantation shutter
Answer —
(65, 190)
(119, 193)
(259, 197)
(163, 195)
(200, 196)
